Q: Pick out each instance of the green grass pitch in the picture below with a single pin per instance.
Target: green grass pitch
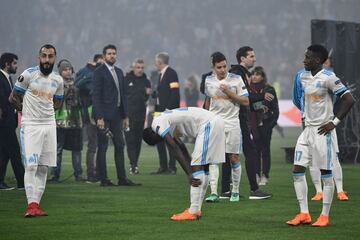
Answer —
(87, 211)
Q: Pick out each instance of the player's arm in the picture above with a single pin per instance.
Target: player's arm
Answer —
(184, 160)
(58, 103)
(16, 99)
(241, 100)
(346, 102)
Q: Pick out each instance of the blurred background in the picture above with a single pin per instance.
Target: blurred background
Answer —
(189, 30)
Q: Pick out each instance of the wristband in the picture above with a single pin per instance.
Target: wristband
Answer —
(336, 121)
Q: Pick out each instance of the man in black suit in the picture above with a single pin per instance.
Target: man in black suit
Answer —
(168, 97)
(110, 112)
(9, 145)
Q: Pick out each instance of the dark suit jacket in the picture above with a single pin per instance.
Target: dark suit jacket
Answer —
(9, 117)
(168, 91)
(105, 94)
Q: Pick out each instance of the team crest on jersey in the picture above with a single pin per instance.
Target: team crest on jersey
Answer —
(20, 78)
(337, 82)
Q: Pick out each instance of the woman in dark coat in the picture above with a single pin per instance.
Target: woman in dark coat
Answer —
(264, 115)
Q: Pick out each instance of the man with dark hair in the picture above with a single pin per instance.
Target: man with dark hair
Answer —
(317, 144)
(246, 60)
(208, 129)
(37, 92)
(9, 145)
(139, 90)
(168, 97)
(110, 112)
(225, 93)
(84, 82)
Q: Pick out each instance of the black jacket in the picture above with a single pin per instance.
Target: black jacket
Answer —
(168, 91)
(9, 116)
(105, 94)
(136, 95)
(244, 113)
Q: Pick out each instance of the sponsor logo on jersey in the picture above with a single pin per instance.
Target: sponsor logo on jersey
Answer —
(20, 78)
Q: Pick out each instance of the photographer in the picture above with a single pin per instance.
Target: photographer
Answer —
(69, 123)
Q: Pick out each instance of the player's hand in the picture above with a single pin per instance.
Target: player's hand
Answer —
(326, 128)
(268, 97)
(100, 123)
(195, 182)
(224, 88)
(265, 109)
(126, 124)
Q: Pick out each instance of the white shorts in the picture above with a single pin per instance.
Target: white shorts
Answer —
(313, 149)
(233, 140)
(38, 145)
(210, 144)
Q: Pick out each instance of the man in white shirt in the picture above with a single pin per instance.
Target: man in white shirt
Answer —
(37, 92)
(225, 93)
(317, 144)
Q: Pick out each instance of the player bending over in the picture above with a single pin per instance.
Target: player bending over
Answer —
(208, 129)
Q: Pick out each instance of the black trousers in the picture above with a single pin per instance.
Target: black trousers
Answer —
(91, 131)
(251, 156)
(115, 126)
(10, 149)
(134, 140)
(263, 141)
(161, 147)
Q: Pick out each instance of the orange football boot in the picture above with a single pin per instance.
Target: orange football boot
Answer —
(322, 221)
(301, 218)
(186, 215)
(317, 197)
(342, 196)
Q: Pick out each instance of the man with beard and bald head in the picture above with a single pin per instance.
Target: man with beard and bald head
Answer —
(37, 92)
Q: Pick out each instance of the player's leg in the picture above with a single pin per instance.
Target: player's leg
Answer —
(338, 178)
(213, 179)
(193, 212)
(301, 161)
(31, 138)
(316, 179)
(236, 176)
(325, 155)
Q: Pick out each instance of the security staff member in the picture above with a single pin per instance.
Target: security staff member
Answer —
(138, 91)
(168, 97)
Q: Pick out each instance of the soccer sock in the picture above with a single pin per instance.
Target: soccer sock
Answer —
(328, 193)
(214, 177)
(338, 176)
(205, 185)
(316, 178)
(40, 181)
(236, 176)
(301, 190)
(195, 192)
(29, 182)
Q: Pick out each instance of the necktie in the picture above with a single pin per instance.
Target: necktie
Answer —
(113, 73)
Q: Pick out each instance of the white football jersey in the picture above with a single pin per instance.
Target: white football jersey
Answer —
(220, 103)
(39, 92)
(188, 120)
(318, 91)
